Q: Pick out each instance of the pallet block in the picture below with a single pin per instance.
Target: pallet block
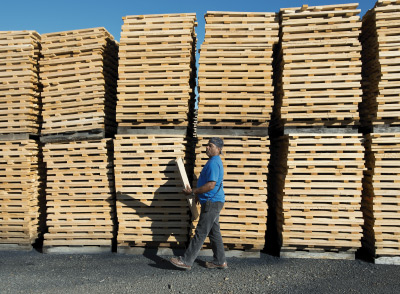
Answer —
(322, 192)
(19, 82)
(244, 216)
(151, 207)
(79, 76)
(80, 194)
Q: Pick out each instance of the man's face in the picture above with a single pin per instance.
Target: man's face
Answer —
(212, 150)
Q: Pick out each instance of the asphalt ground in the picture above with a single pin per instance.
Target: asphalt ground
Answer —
(34, 272)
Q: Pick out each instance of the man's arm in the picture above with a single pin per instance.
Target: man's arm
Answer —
(207, 187)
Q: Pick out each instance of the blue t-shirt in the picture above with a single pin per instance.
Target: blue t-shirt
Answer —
(213, 171)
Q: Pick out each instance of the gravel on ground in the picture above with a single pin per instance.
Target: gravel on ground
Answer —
(34, 272)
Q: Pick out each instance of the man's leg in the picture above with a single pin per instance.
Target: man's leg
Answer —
(215, 236)
(204, 226)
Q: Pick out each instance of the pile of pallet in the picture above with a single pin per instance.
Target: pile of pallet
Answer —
(381, 114)
(243, 219)
(156, 70)
(155, 124)
(152, 210)
(235, 74)
(21, 180)
(381, 105)
(320, 205)
(235, 104)
(321, 65)
(381, 203)
(79, 73)
(322, 193)
(19, 82)
(21, 194)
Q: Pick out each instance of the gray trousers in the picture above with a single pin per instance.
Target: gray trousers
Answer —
(208, 225)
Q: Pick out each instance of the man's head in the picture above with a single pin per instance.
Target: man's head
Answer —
(214, 147)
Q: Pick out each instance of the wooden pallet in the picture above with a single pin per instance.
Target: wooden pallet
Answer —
(19, 82)
(156, 69)
(320, 61)
(322, 192)
(21, 193)
(379, 38)
(235, 74)
(381, 194)
(79, 75)
(244, 216)
(80, 194)
(151, 208)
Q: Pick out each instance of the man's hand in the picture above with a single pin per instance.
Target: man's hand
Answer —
(187, 191)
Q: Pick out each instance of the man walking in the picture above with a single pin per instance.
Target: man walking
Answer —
(211, 196)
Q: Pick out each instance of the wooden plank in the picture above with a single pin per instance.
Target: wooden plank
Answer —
(186, 184)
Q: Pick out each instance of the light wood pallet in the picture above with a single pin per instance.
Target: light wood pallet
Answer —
(80, 194)
(19, 82)
(321, 65)
(151, 208)
(79, 75)
(241, 28)
(244, 216)
(381, 195)
(156, 69)
(21, 190)
(322, 193)
(380, 41)
(236, 66)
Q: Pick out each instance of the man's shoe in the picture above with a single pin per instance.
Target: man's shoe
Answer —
(176, 261)
(213, 265)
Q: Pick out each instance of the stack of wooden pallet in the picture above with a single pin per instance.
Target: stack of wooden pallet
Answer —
(21, 181)
(79, 75)
(235, 74)
(156, 70)
(151, 206)
(155, 113)
(235, 104)
(379, 37)
(381, 113)
(320, 91)
(21, 190)
(80, 204)
(321, 203)
(19, 82)
(381, 203)
(243, 219)
(321, 65)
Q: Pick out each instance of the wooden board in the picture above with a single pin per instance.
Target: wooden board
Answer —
(186, 184)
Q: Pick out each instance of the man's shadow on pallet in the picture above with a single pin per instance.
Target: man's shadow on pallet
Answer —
(167, 215)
